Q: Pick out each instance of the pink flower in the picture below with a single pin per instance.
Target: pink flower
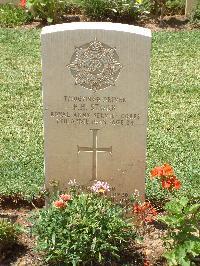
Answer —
(65, 197)
(59, 204)
(100, 187)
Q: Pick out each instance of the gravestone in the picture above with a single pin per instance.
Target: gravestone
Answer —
(95, 94)
(190, 7)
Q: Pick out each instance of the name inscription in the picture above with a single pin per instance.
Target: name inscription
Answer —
(91, 111)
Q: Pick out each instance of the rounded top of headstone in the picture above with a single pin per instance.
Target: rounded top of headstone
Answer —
(107, 26)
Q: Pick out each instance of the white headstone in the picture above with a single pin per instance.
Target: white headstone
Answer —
(95, 94)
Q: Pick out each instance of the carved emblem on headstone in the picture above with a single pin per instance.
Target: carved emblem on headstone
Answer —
(95, 66)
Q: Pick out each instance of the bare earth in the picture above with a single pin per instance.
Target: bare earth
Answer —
(169, 23)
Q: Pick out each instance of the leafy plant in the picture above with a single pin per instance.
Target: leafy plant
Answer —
(166, 175)
(48, 10)
(164, 7)
(82, 228)
(109, 9)
(11, 16)
(9, 233)
(175, 6)
(143, 211)
(164, 183)
(128, 9)
(183, 239)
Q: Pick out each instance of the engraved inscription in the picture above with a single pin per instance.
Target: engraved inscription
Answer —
(95, 66)
(95, 111)
(116, 197)
(94, 149)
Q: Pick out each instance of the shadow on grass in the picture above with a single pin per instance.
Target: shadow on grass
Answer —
(12, 254)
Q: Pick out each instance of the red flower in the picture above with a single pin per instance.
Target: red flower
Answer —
(154, 212)
(23, 3)
(148, 219)
(146, 262)
(171, 182)
(59, 204)
(168, 179)
(177, 184)
(136, 208)
(145, 212)
(145, 206)
(157, 171)
(164, 170)
(65, 197)
(166, 183)
(167, 170)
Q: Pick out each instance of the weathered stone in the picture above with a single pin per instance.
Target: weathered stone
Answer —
(95, 94)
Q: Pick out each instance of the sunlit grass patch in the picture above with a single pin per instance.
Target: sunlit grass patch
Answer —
(174, 110)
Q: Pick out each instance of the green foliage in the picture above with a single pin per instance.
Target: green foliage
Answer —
(89, 229)
(183, 239)
(164, 7)
(195, 16)
(109, 9)
(9, 233)
(11, 16)
(175, 6)
(49, 10)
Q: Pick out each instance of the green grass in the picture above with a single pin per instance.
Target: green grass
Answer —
(174, 110)
(21, 162)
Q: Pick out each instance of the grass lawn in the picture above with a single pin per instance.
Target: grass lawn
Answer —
(174, 110)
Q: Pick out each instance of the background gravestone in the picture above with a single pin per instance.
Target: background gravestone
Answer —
(190, 7)
(9, 1)
(95, 93)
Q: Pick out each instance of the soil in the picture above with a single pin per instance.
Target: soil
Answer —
(168, 23)
(22, 253)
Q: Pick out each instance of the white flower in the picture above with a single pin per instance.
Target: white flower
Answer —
(72, 183)
(100, 187)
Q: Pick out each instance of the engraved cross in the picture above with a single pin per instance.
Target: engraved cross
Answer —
(94, 149)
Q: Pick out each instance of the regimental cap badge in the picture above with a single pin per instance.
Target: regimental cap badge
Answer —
(95, 66)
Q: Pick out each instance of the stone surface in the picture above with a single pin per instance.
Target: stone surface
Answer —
(9, 1)
(95, 94)
(190, 6)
